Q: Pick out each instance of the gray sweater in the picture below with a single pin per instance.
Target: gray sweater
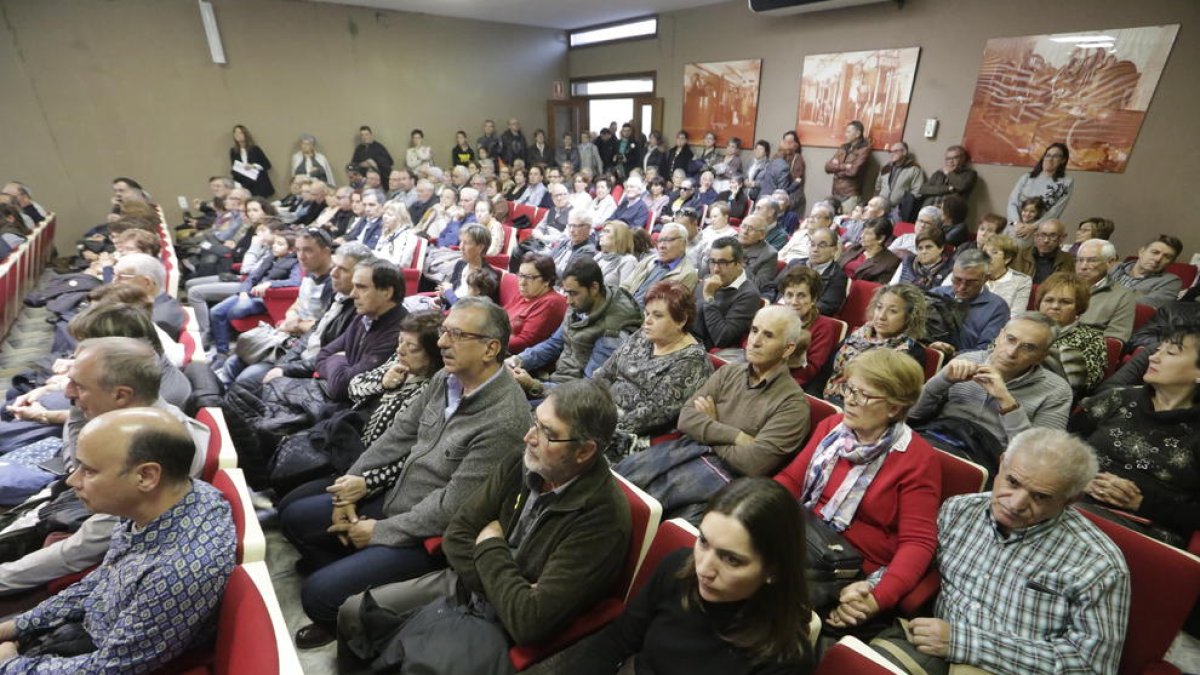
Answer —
(445, 459)
(1155, 290)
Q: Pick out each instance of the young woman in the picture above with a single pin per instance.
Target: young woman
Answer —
(246, 152)
(461, 153)
(418, 154)
(1048, 180)
(680, 156)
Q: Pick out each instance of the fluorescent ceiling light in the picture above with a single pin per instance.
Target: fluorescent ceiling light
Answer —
(623, 31)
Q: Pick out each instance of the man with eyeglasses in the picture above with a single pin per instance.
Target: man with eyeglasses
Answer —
(985, 312)
(822, 257)
(761, 257)
(1112, 306)
(543, 540)
(954, 178)
(1004, 391)
(671, 264)
(632, 209)
(726, 301)
(577, 245)
(1046, 256)
(876, 207)
(370, 527)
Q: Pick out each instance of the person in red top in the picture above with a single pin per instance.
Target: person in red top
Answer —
(538, 310)
(799, 289)
(866, 474)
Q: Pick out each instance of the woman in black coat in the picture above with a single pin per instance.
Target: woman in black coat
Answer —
(246, 151)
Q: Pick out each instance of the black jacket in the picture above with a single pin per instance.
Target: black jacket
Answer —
(260, 187)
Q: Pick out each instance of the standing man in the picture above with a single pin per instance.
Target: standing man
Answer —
(513, 145)
(489, 140)
(900, 180)
(370, 152)
(846, 166)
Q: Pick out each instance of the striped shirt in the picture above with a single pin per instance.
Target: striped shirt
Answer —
(1051, 598)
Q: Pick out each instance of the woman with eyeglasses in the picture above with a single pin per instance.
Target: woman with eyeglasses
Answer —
(537, 311)
(1078, 350)
(1048, 180)
(870, 260)
(895, 322)
(799, 288)
(1091, 228)
(616, 259)
(867, 475)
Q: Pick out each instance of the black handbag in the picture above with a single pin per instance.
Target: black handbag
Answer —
(833, 562)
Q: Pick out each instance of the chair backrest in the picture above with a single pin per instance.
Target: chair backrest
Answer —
(1142, 315)
(933, 362)
(671, 536)
(1185, 271)
(960, 476)
(819, 409)
(418, 259)
(1114, 348)
(854, 310)
(904, 228)
(221, 452)
(279, 300)
(251, 544)
(510, 288)
(844, 329)
(1164, 585)
(716, 361)
(1032, 304)
(251, 635)
(645, 513)
(510, 240)
(850, 656)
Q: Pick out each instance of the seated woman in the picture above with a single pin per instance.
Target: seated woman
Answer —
(615, 258)
(896, 321)
(398, 241)
(473, 241)
(718, 226)
(279, 271)
(659, 367)
(486, 217)
(603, 205)
(736, 602)
(656, 196)
(1145, 438)
(1079, 350)
(1091, 228)
(537, 311)
(799, 288)
(1012, 286)
(867, 475)
(870, 260)
(930, 266)
(581, 197)
(437, 217)
(520, 184)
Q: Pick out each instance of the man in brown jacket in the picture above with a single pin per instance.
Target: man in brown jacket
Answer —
(847, 164)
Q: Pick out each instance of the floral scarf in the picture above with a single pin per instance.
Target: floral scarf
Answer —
(866, 460)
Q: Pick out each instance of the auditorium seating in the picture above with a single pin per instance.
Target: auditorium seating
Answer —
(20, 271)
(858, 298)
(851, 656)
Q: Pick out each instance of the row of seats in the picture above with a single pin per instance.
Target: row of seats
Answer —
(20, 271)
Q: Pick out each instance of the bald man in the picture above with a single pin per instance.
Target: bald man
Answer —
(159, 588)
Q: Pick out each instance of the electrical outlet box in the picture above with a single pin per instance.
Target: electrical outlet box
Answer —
(931, 126)
(183, 202)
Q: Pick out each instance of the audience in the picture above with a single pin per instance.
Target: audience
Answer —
(900, 180)
(726, 301)
(1092, 228)
(1048, 181)
(1045, 257)
(954, 178)
(930, 265)
(895, 321)
(537, 310)
(669, 264)
(310, 163)
(1011, 286)
(1023, 229)
(615, 256)
(870, 260)
(846, 166)
(981, 312)
(761, 257)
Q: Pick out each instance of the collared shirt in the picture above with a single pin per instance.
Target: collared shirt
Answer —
(454, 391)
(155, 595)
(536, 503)
(1154, 290)
(658, 270)
(1050, 598)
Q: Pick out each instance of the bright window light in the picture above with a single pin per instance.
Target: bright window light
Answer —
(641, 85)
(625, 31)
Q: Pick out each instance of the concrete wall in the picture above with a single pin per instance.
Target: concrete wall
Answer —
(1153, 195)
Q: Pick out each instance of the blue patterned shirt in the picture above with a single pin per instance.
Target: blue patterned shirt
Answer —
(1051, 598)
(155, 595)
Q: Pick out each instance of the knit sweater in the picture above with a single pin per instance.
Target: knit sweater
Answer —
(534, 319)
(1155, 290)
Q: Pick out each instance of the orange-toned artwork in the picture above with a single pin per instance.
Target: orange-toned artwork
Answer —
(872, 87)
(721, 98)
(1089, 90)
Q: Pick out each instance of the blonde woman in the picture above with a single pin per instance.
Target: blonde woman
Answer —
(616, 258)
(398, 240)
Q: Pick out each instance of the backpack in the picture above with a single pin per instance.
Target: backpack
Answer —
(945, 318)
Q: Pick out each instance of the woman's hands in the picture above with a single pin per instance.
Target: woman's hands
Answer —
(1119, 492)
(856, 605)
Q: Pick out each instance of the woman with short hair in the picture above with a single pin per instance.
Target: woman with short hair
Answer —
(930, 266)
(538, 310)
(1078, 349)
(418, 154)
(1012, 286)
(871, 260)
(800, 288)
(616, 258)
(1090, 228)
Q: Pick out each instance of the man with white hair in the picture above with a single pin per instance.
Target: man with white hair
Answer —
(1029, 585)
(466, 205)
(149, 274)
(900, 179)
(671, 264)
(424, 200)
(1111, 308)
(877, 207)
(929, 217)
(632, 209)
(1045, 257)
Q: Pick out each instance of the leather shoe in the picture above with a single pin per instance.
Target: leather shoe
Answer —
(313, 636)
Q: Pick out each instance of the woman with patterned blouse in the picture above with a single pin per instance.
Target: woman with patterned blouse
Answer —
(895, 320)
(1078, 349)
(1148, 444)
(656, 370)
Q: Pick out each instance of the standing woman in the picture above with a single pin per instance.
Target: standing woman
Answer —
(418, 154)
(244, 150)
(730, 165)
(1048, 180)
(709, 156)
(680, 156)
(308, 162)
(461, 153)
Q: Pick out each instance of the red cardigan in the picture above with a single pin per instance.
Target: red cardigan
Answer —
(534, 320)
(908, 482)
(825, 332)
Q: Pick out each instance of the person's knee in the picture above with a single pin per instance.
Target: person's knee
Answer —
(348, 623)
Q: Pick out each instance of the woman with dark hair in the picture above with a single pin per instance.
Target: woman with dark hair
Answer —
(1147, 442)
(680, 155)
(954, 220)
(729, 165)
(870, 260)
(930, 266)
(519, 186)
(736, 602)
(540, 153)
(800, 288)
(762, 157)
(246, 159)
(895, 320)
(417, 155)
(655, 371)
(1090, 228)
(537, 311)
(1078, 349)
(735, 196)
(462, 154)
(656, 196)
(1048, 180)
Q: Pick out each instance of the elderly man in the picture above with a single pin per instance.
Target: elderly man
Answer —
(424, 201)
(1004, 391)
(726, 301)
(466, 203)
(553, 227)
(846, 166)
(369, 529)
(370, 152)
(1111, 308)
(928, 218)
(798, 246)
(31, 210)
(632, 209)
(954, 178)
(768, 209)
(745, 420)
(174, 548)
(671, 264)
(900, 180)
(761, 257)
(149, 274)
(542, 541)
(984, 313)
(876, 207)
(1046, 256)
(598, 319)
(576, 246)
(1147, 276)
(1055, 594)
(107, 374)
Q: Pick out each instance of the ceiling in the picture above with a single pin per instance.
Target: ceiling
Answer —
(561, 14)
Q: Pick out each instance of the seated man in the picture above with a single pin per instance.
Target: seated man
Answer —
(1046, 256)
(149, 273)
(745, 420)
(543, 540)
(1004, 391)
(1147, 276)
(876, 207)
(822, 257)
(159, 588)
(768, 210)
(599, 318)
(368, 229)
(929, 217)
(369, 530)
(33, 212)
(761, 257)
(726, 301)
(1055, 598)
(466, 202)
(985, 312)
(798, 247)
(671, 264)
(577, 245)
(632, 209)
(111, 373)
(1111, 308)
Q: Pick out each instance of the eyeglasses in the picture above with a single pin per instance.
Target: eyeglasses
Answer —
(543, 433)
(529, 277)
(458, 335)
(856, 396)
(1090, 261)
(822, 244)
(720, 263)
(669, 239)
(1047, 235)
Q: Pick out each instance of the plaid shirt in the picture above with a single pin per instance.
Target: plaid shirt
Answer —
(1052, 598)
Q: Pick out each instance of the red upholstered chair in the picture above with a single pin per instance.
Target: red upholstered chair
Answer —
(1164, 585)
(845, 329)
(221, 453)
(819, 409)
(277, 300)
(851, 656)
(252, 638)
(616, 192)
(671, 536)
(716, 361)
(510, 244)
(1114, 348)
(1032, 304)
(251, 545)
(645, 513)
(904, 228)
(1141, 315)
(854, 310)
(510, 288)
(933, 362)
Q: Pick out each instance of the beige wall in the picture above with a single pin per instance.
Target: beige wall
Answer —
(96, 89)
(1155, 194)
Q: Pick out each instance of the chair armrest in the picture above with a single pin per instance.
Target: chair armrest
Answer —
(433, 545)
